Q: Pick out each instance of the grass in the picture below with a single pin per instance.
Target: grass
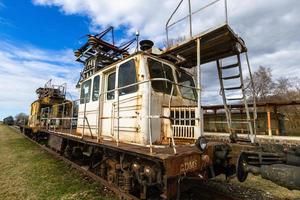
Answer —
(28, 172)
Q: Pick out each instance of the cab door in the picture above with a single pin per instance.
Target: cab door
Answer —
(88, 113)
(108, 100)
(121, 108)
(129, 105)
(92, 108)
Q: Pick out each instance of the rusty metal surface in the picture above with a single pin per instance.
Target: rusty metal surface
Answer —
(187, 162)
(200, 189)
(161, 153)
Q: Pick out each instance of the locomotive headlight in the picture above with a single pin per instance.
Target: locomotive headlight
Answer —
(201, 143)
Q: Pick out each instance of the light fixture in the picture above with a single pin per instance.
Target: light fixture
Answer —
(201, 143)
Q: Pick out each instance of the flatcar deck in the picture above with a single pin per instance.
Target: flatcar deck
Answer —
(159, 152)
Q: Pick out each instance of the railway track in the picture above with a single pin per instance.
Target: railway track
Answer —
(198, 189)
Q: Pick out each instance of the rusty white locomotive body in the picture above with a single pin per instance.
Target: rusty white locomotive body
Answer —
(133, 100)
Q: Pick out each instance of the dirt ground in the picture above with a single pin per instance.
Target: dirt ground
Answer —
(27, 172)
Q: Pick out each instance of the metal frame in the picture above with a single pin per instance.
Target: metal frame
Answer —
(243, 98)
(190, 14)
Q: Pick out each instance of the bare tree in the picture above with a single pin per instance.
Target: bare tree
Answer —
(173, 42)
(283, 89)
(263, 84)
(21, 118)
(282, 86)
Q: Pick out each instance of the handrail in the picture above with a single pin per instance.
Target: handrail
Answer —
(130, 85)
(71, 118)
(168, 25)
(171, 18)
(253, 95)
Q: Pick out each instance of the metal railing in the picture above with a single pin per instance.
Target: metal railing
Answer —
(183, 122)
(189, 16)
(61, 124)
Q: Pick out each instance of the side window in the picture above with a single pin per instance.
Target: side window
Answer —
(96, 84)
(186, 80)
(85, 91)
(127, 76)
(111, 80)
(160, 70)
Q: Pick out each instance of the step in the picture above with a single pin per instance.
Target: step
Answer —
(231, 77)
(234, 88)
(235, 99)
(230, 66)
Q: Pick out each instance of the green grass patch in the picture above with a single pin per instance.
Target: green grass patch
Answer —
(28, 172)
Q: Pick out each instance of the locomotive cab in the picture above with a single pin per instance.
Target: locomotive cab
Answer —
(128, 97)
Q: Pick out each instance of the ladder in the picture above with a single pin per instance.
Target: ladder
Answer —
(237, 78)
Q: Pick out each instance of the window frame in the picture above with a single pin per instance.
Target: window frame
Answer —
(192, 78)
(82, 101)
(107, 75)
(94, 98)
(135, 88)
(164, 73)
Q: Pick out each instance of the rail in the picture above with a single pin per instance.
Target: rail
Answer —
(189, 16)
(61, 125)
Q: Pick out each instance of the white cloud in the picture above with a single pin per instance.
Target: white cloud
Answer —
(271, 28)
(267, 26)
(147, 16)
(25, 68)
(150, 16)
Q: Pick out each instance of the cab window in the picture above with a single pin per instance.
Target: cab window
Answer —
(127, 76)
(186, 80)
(96, 83)
(85, 92)
(159, 70)
(111, 81)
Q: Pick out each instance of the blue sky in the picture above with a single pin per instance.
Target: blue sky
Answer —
(37, 38)
(32, 35)
(22, 21)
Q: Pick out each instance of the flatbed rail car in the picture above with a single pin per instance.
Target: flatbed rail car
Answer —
(139, 123)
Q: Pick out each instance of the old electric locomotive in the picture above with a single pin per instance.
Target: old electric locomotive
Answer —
(138, 123)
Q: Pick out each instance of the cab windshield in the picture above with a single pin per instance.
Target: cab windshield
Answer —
(186, 80)
(160, 70)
